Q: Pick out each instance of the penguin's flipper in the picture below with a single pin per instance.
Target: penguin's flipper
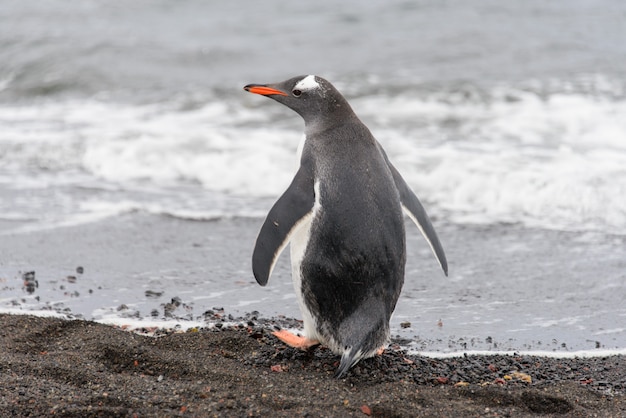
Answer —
(414, 209)
(282, 220)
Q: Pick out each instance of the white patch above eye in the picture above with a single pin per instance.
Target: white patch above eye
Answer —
(307, 83)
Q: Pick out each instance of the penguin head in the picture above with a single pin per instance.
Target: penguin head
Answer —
(310, 96)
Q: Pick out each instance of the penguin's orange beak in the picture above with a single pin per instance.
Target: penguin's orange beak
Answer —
(263, 90)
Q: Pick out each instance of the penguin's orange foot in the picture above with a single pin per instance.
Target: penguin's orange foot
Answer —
(380, 351)
(295, 341)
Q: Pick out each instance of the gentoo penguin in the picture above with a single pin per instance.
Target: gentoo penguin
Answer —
(343, 215)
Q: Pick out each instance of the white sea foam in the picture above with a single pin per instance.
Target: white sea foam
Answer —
(131, 324)
(40, 313)
(558, 162)
(553, 160)
(538, 353)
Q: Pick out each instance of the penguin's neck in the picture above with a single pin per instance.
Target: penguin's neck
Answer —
(328, 116)
(324, 123)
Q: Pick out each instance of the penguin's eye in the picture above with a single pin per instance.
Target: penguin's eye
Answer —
(296, 92)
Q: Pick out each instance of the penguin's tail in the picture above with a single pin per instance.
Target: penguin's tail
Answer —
(349, 358)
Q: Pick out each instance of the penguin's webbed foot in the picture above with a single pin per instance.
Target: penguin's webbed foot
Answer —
(295, 341)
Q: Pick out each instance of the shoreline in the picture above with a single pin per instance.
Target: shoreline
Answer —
(148, 327)
(244, 370)
(510, 288)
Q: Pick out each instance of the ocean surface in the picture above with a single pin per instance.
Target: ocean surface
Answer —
(508, 119)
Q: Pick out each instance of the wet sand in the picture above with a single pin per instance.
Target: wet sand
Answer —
(76, 368)
(510, 288)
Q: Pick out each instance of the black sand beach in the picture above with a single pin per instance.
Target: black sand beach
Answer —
(75, 368)
(135, 264)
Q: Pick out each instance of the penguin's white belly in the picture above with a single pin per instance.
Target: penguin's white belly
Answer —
(299, 243)
(298, 246)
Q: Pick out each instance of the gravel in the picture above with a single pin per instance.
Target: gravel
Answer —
(76, 368)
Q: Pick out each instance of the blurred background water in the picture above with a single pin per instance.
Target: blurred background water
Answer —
(497, 113)
(493, 112)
